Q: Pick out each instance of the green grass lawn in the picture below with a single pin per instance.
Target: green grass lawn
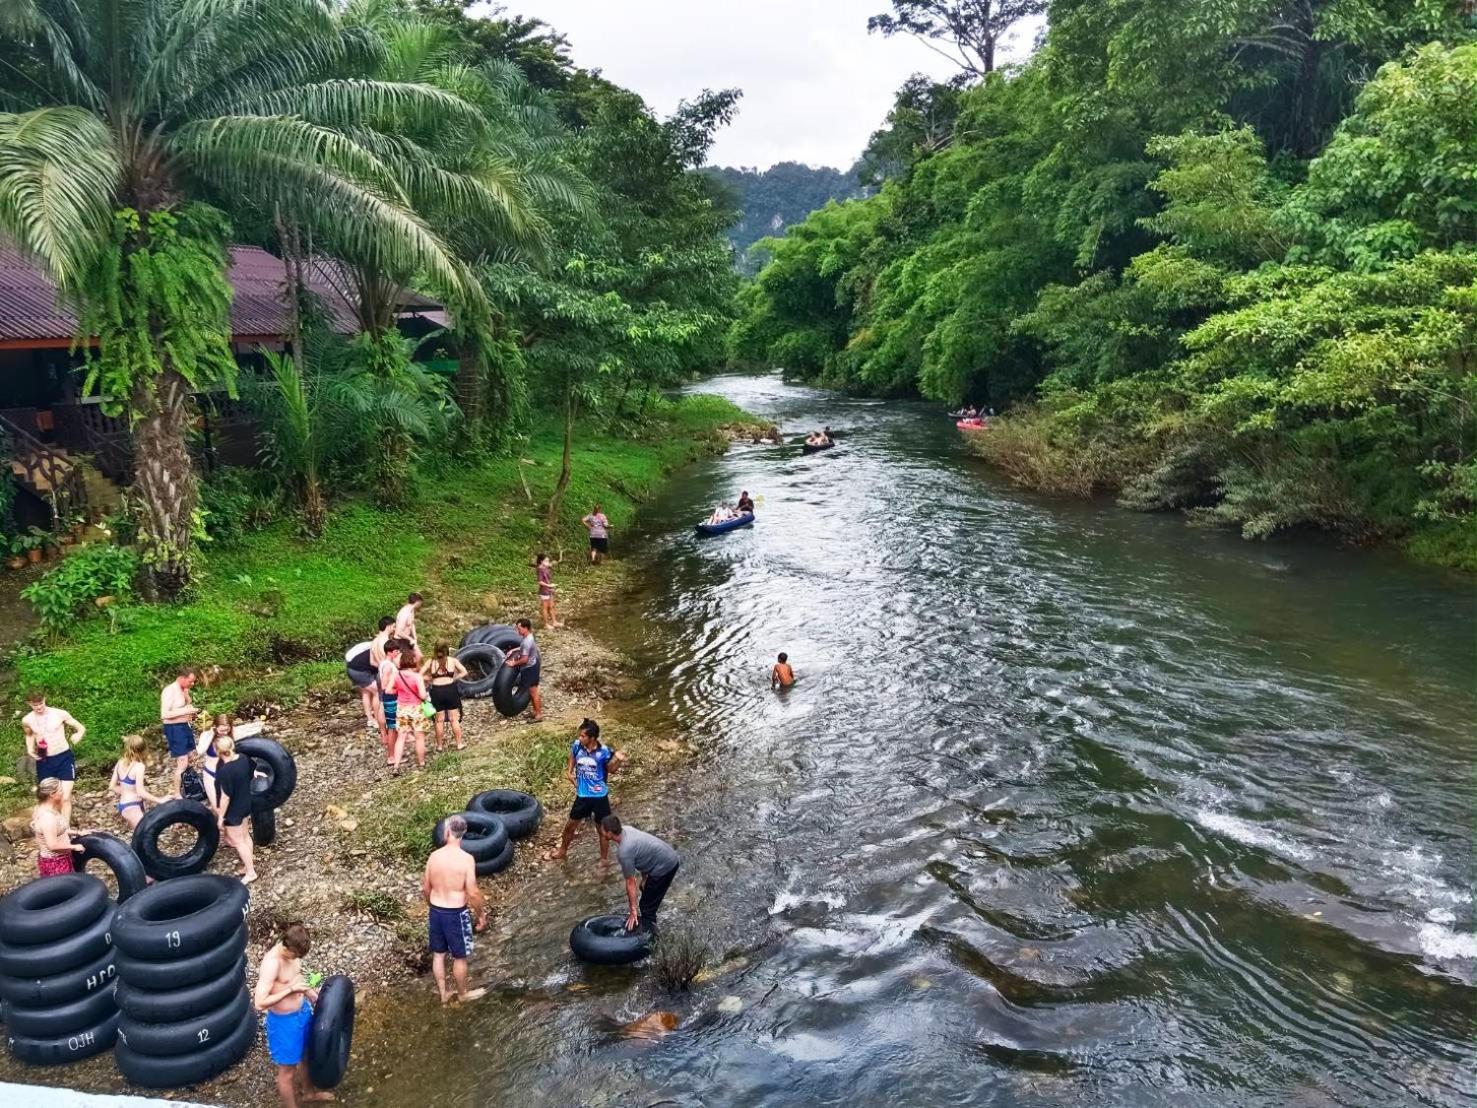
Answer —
(276, 612)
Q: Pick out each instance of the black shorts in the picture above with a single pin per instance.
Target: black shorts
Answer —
(589, 807)
(600, 545)
(445, 698)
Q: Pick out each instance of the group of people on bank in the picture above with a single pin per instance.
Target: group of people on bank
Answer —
(406, 696)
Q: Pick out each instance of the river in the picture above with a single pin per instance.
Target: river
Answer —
(1070, 806)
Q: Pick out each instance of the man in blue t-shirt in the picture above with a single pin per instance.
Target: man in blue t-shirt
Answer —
(591, 765)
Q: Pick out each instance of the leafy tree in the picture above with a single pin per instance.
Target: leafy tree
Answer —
(920, 123)
(967, 32)
(1218, 259)
(141, 108)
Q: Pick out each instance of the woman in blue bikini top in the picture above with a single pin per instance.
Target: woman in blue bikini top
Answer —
(129, 780)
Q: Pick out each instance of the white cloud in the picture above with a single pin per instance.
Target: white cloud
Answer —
(815, 83)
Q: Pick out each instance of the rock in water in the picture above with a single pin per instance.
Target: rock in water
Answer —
(652, 1026)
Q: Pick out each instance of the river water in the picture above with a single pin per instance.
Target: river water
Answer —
(1070, 806)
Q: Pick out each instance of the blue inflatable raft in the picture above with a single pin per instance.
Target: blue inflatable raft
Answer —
(745, 520)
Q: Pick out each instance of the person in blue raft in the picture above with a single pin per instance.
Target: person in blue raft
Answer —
(285, 994)
(591, 765)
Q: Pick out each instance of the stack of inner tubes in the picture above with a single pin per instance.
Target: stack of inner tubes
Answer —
(483, 651)
(186, 1013)
(56, 969)
(486, 841)
(518, 812)
(172, 813)
(269, 791)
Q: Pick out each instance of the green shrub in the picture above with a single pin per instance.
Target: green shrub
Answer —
(234, 505)
(95, 571)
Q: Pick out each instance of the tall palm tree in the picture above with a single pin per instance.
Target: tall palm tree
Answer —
(490, 193)
(117, 116)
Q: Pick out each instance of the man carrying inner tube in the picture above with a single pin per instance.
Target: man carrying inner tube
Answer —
(526, 660)
(647, 855)
(591, 764)
(283, 992)
(450, 888)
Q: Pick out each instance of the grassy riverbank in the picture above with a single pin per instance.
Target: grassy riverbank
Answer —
(274, 612)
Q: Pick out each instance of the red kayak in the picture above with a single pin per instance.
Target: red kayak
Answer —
(971, 425)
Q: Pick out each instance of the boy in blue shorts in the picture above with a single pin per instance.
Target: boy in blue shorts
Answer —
(591, 764)
(283, 993)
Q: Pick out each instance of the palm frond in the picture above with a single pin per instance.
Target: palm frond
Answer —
(387, 105)
(232, 151)
(59, 174)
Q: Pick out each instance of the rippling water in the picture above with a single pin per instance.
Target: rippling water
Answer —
(1070, 806)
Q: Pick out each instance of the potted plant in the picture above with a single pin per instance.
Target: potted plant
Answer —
(31, 543)
(17, 559)
(45, 544)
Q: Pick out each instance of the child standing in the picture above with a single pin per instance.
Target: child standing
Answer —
(545, 570)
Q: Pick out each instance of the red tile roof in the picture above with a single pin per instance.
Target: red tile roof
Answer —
(29, 308)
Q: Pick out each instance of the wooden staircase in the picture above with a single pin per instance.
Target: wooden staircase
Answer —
(47, 472)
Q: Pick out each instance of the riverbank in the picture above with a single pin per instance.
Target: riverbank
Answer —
(351, 841)
(1039, 450)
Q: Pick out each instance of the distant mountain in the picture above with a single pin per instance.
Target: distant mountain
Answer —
(772, 199)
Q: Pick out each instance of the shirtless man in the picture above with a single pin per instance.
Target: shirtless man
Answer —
(405, 625)
(285, 995)
(450, 888)
(47, 742)
(176, 713)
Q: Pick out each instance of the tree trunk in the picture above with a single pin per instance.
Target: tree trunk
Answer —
(164, 479)
(470, 390)
(291, 239)
(315, 512)
(557, 501)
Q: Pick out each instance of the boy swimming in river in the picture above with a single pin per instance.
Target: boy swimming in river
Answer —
(781, 676)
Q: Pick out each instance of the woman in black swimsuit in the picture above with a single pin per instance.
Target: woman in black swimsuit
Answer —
(233, 776)
(442, 670)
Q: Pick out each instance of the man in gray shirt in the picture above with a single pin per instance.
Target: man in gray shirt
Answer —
(647, 855)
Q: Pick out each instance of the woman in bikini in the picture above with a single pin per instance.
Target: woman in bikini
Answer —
(220, 726)
(54, 845)
(128, 780)
(444, 670)
(410, 688)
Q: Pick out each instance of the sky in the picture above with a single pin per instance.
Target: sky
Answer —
(816, 84)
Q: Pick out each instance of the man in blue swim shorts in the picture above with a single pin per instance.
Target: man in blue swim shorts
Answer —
(176, 713)
(284, 994)
(450, 889)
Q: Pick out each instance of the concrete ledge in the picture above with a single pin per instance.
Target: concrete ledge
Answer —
(38, 1096)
